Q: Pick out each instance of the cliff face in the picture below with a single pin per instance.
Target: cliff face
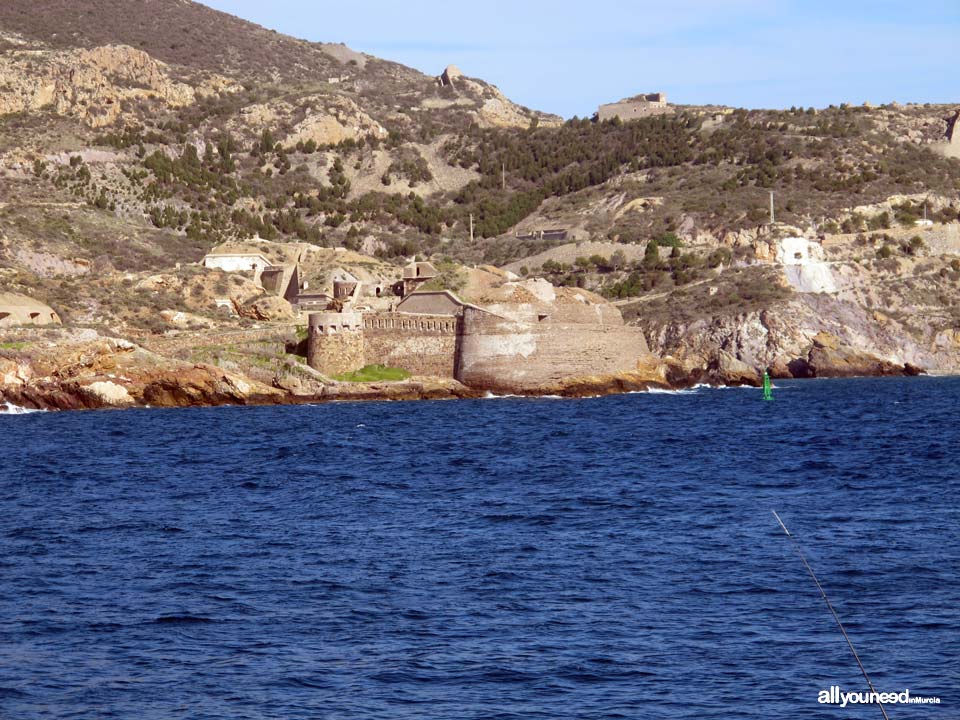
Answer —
(94, 84)
(822, 334)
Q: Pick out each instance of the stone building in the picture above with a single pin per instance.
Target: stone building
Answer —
(282, 281)
(414, 275)
(635, 108)
(335, 342)
(449, 76)
(16, 309)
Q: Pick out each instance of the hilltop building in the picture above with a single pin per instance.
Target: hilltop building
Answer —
(953, 129)
(635, 108)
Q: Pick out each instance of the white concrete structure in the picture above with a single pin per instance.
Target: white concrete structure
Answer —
(237, 262)
(805, 265)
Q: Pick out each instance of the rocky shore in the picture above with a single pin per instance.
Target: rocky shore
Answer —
(84, 370)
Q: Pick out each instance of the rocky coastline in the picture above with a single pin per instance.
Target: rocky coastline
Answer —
(85, 370)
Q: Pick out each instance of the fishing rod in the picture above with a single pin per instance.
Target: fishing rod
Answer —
(823, 594)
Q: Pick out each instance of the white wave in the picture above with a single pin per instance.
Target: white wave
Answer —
(492, 396)
(666, 391)
(11, 409)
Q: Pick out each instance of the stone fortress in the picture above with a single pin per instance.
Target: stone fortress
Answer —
(527, 335)
(515, 335)
(636, 107)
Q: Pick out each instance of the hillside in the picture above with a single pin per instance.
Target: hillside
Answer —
(175, 32)
(139, 135)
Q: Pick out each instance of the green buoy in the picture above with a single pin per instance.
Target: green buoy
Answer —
(767, 387)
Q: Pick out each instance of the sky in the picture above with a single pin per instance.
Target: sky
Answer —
(569, 56)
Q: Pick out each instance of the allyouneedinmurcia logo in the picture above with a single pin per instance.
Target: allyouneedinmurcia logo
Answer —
(835, 696)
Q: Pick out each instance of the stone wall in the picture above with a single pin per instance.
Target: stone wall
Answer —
(420, 344)
(632, 110)
(479, 348)
(501, 354)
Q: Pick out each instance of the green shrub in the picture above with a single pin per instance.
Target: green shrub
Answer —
(374, 373)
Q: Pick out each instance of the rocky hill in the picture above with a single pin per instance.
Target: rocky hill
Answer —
(139, 135)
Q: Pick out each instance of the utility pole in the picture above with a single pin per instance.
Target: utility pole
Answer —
(503, 175)
(772, 217)
(471, 228)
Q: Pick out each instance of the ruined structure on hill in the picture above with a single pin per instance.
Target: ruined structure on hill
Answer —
(953, 129)
(414, 275)
(635, 107)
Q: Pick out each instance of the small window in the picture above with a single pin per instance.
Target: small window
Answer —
(4, 315)
(34, 316)
(798, 256)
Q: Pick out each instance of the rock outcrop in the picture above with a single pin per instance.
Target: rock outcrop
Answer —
(266, 307)
(810, 335)
(93, 84)
(829, 357)
(322, 119)
(85, 370)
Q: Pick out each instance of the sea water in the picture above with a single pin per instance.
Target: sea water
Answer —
(502, 558)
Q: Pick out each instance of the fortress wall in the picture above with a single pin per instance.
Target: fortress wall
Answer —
(497, 353)
(631, 111)
(420, 344)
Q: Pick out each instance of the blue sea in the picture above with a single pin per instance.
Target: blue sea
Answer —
(503, 558)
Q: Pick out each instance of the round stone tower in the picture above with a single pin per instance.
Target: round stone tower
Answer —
(335, 342)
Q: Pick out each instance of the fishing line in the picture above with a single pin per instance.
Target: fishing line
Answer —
(796, 546)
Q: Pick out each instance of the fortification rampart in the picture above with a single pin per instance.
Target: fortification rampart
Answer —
(479, 348)
(498, 353)
(635, 108)
(420, 344)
